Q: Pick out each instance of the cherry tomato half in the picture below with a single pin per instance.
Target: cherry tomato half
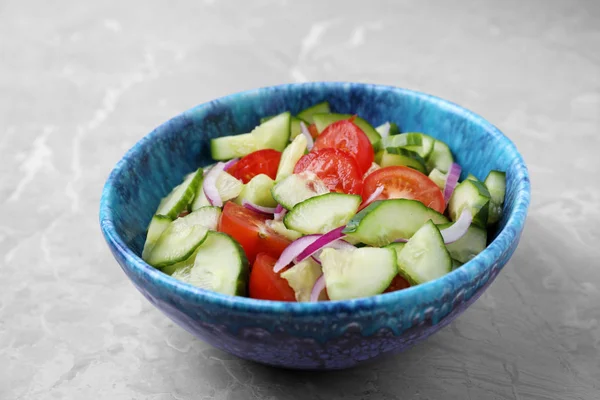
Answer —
(404, 183)
(249, 229)
(345, 135)
(256, 163)
(314, 132)
(268, 285)
(336, 168)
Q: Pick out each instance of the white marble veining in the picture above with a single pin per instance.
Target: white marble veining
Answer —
(81, 82)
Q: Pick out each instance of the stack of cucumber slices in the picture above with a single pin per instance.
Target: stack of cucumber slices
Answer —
(323, 206)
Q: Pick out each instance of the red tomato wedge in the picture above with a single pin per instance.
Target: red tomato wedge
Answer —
(314, 132)
(345, 135)
(336, 168)
(404, 183)
(268, 285)
(249, 229)
(256, 163)
(398, 283)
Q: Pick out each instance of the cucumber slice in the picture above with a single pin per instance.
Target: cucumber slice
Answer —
(379, 156)
(295, 128)
(298, 187)
(302, 277)
(440, 157)
(228, 147)
(308, 113)
(405, 158)
(323, 213)
(384, 221)
(220, 266)
(472, 177)
(438, 177)
(420, 143)
(200, 199)
(424, 257)
(496, 185)
(181, 196)
(157, 226)
(228, 187)
(274, 133)
(473, 195)
(205, 216)
(322, 121)
(290, 156)
(397, 247)
(271, 134)
(258, 191)
(394, 130)
(363, 272)
(468, 246)
(188, 262)
(176, 243)
(280, 228)
(455, 264)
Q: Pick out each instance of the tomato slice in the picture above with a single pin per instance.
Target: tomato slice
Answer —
(405, 183)
(249, 229)
(268, 285)
(336, 168)
(345, 135)
(398, 283)
(256, 163)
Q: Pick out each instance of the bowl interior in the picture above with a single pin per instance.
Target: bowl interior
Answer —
(160, 160)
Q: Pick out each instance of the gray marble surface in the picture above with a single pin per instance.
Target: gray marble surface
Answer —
(81, 82)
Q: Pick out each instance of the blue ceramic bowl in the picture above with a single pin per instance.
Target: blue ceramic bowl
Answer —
(325, 335)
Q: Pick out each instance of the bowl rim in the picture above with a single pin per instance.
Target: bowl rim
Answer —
(192, 294)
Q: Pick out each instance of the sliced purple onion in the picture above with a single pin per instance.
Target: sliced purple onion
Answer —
(451, 181)
(260, 209)
(401, 240)
(318, 287)
(292, 251)
(338, 244)
(209, 186)
(323, 241)
(279, 212)
(230, 163)
(459, 228)
(306, 133)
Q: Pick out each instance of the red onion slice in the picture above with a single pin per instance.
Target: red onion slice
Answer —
(279, 212)
(317, 288)
(401, 240)
(451, 181)
(321, 242)
(260, 209)
(209, 186)
(230, 163)
(306, 133)
(338, 244)
(292, 251)
(459, 228)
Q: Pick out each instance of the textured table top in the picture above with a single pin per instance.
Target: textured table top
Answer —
(81, 82)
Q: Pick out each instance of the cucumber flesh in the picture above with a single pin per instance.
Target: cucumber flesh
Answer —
(402, 141)
(271, 134)
(358, 273)
(295, 128)
(424, 257)
(308, 113)
(496, 185)
(302, 277)
(402, 159)
(468, 246)
(440, 157)
(322, 121)
(258, 191)
(205, 216)
(397, 247)
(181, 196)
(157, 226)
(220, 266)
(176, 243)
(280, 228)
(320, 214)
(290, 156)
(472, 177)
(384, 221)
(425, 148)
(472, 195)
(298, 187)
(438, 177)
(393, 130)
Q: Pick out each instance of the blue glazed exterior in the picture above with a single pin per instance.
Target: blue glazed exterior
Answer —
(326, 335)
